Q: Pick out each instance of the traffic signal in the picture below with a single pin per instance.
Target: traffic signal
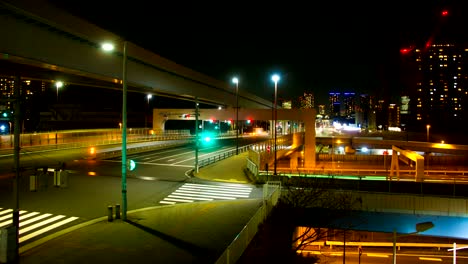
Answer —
(5, 115)
(131, 165)
(206, 138)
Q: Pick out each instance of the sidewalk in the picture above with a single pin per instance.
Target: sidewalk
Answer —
(183, 233)
(227, 170)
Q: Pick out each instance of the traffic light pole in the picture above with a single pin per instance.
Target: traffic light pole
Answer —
(124, 133)
(196, 135)
(16, 160)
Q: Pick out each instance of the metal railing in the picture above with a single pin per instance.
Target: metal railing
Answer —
(84, 137)
(81, 139)
(222, 156)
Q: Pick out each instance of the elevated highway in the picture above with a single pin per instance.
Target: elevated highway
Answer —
(41, 41)
(379, 143)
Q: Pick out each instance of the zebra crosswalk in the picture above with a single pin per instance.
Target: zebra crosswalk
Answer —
(193, 192)
(33, 224)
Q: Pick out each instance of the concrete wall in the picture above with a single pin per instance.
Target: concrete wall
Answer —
(412, 204)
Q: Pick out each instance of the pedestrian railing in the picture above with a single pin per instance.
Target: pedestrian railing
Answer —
(222, 156)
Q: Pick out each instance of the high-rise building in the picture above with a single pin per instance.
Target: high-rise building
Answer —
(441, 92)
(6, 92)
(434, 79)
(306, 101)
(381, 114)
(286, 104)
(334, 100)
(365, 114)
(393, 116)
(438, 94)
(322, 110)
(33, 101)
(349, 104)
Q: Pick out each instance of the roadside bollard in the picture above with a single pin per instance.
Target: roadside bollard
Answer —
(109, 217)
(117, 211)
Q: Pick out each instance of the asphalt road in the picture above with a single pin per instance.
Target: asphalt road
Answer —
(91, 186)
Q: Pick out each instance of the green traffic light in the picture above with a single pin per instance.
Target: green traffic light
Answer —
(131, 165)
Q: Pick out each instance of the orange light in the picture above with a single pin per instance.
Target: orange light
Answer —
(92, 151)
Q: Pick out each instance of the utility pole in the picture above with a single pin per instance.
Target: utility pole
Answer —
(196, 135)
(16, 161)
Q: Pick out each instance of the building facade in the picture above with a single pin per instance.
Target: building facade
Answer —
(437, 95)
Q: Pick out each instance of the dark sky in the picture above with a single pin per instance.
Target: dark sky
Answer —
(315, 47)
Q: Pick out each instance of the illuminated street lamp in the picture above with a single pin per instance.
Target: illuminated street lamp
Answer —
(275, 79)
(427, 127)
(149, 96)
(110, 47)
(236, 81)
(58, 85)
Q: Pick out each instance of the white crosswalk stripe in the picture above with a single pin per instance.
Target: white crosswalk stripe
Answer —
(33, 224)
(192, 192)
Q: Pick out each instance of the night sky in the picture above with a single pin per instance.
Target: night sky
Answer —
(315, 47)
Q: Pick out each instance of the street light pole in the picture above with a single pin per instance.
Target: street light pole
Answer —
(58, 85)
(149, 96)
(16, 165)
(236, 81)
(420, 227)
(124, 132)
(427, 127)
(197, 140)
(123, 125)
(275, 79)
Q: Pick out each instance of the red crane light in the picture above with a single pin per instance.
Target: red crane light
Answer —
(405, 50)
(444, 13)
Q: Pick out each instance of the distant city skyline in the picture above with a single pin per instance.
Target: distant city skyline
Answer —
(354, 59)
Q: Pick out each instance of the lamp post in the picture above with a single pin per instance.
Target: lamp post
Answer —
(197, 140)
(427, 128)
(275, 79)
(58, 85)
(110, 47)
(149, 96)
(236, 81)
(420, 227)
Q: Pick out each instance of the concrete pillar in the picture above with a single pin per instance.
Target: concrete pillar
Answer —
(158, 121)
(293, 160)
(309, 142)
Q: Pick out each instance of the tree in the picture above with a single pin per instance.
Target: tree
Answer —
(304, 202)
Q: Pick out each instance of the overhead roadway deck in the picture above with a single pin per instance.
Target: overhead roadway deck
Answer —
(45, 42)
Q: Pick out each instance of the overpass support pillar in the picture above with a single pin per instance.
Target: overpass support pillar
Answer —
(394, 167)
(293, 161)
(309, 143)
(158, 121)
